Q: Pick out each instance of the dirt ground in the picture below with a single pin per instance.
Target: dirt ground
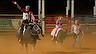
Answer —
(10, 45)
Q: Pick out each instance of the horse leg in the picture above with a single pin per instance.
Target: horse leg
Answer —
(26, 45)
(33, 46)
(22, 48)
(33, 49)
(58, 44)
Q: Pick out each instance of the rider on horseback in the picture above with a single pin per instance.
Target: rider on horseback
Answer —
(28, 17)
(59, 22)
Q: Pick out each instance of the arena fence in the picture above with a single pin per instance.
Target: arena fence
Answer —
(50, 22)
(9, 22)
(88, 22)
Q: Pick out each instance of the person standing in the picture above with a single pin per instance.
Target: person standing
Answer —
(76, 30)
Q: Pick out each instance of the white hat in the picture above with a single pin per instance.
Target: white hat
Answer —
(28, 6)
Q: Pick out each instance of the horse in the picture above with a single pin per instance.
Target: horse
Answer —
(30, 35)
(61, 35)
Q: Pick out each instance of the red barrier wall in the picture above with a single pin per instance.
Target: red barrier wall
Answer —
(50, 22)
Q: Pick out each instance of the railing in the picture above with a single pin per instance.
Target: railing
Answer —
(86, 19)
(50, 22)
(13, 15)
(88, 22)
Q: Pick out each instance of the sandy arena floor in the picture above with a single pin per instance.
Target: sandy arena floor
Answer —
(10, 45)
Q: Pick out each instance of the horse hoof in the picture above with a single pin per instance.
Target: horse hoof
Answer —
(39, 39)
(42, 35)
(19, 40)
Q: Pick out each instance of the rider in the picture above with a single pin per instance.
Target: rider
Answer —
(59, 22)
(27, 16)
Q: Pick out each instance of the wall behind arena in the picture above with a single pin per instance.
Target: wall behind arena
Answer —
(16, 23)
(9, 24)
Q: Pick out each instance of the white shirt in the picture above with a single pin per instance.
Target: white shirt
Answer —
(26, 16)
(76, 29)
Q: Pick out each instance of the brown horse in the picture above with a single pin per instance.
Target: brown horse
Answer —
(61, 35)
